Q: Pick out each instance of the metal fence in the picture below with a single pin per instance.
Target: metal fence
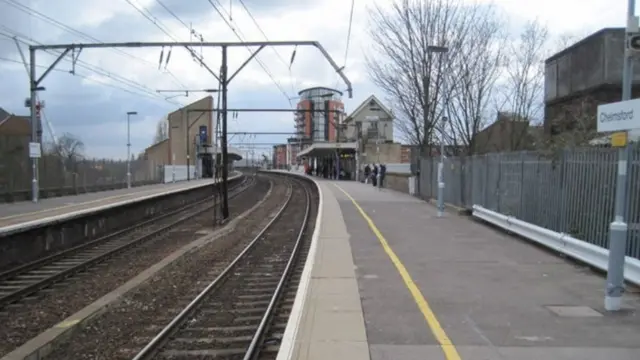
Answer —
(572, 192)
(59, 177)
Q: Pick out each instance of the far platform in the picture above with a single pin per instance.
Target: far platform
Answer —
(401, 283)
(25, 211)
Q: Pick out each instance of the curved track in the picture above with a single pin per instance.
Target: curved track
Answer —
(25, 280)
(232, 316)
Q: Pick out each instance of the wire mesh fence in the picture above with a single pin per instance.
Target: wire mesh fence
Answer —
(572, 192)
(59, 177)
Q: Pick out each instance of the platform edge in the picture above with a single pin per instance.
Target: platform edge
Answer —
(288, 343)
(10, 229)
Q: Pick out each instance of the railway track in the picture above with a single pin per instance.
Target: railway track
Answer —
(21, 282)
(241, 312)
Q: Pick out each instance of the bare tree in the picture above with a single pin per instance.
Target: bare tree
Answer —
(70, 149)
(523, 88)
(403, 66)
(162, 131)
(473, 77)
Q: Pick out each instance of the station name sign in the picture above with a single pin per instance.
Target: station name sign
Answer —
(619, 116)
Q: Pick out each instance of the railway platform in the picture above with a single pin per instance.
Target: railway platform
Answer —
(387, 279)
(25, 211)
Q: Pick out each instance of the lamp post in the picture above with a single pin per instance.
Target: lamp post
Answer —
(443, 50)
(441, 170)
(129, 147)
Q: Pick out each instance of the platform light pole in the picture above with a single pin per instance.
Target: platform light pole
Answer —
(441, 183)
(443, 50)
(129, 113)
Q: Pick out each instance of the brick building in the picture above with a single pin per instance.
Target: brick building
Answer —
(279, 156)
(321, 110)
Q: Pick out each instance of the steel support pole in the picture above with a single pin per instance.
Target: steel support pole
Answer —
(225, 152)
(337, 128)
(618, 228)
(128, 151)
(34, 123)
(187, 128)
(441, 183)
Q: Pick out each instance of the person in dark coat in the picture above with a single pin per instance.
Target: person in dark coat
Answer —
(374, 175)
(367, 173)
(383, 172)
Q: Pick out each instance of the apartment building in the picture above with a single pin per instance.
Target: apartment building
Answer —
(320, 111)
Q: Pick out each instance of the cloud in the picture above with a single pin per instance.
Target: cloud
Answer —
(93, 105)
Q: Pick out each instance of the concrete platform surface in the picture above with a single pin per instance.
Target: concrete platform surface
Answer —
(331, 324)
(451, 288)
(24, 211)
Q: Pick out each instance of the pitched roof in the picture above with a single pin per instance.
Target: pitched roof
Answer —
(4, 115)
(365, 103)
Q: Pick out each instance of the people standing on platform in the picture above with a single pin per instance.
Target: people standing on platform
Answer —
(367, 173)
(383, 172)
(374, 175)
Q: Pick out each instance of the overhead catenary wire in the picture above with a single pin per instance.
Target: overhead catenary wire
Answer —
(189, 28)
(172, 13)
(85, 77)
(155, 21)
(288, 65)
(346, 50)
(240, 36)
(21, 38)
(9, 33)
(60, 25)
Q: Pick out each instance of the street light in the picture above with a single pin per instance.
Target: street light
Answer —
(443, 50)
(129, 113)
(441, 169)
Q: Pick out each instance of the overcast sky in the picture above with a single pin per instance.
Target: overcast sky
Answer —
(93, 106)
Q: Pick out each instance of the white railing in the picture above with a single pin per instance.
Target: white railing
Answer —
(577, 249)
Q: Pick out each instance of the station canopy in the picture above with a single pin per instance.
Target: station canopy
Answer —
(234, 154)
(319, 150)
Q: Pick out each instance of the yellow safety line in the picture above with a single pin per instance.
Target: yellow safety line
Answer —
(450, 351)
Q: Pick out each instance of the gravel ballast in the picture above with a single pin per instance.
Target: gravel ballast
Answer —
(22, 322)
(116, 334)
(225, 320)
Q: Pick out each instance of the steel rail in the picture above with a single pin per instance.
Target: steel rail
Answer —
(47, 281)
(258, 338)
(150, 349)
